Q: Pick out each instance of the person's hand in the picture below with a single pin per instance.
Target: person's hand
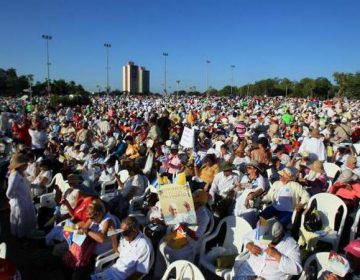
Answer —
(185, 227)
(187, 206)
(348, 187)
(63, 201)
(272, 252)
(253, 249)
(298, 207)
(331, 276)
(251, 196)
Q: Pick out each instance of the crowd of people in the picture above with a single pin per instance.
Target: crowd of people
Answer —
(263, 159)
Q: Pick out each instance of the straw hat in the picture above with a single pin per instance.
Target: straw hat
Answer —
(287, 173)
(18, 160)
(317, 166)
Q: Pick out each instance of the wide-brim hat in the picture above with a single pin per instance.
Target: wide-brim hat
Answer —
(18, 160)
(317, 166)
(228, 167)
(255, 164)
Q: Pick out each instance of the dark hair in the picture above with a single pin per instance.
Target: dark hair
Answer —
(132, 223)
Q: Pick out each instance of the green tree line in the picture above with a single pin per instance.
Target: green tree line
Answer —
(346, 85)
(11, 85)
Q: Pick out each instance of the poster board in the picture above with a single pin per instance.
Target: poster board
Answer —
(177, 204)
(188, 138)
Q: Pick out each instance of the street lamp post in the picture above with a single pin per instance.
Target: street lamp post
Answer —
(232, 78)
(177, 89)
(207, 74)
(47, 38)
(165, 56)
(107, 46)
(30, 79)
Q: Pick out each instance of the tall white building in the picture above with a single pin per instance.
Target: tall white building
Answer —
(136, 79)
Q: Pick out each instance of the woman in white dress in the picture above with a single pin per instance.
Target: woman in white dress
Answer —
(22, 212)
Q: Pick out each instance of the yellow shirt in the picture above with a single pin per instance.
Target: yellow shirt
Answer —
(207, 173)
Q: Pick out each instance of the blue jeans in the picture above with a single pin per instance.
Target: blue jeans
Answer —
(284, 217)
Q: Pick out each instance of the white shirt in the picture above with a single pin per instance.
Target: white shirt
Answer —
(259, 183)
(38, 139)
(221, 184)
(134, 257)
(267, 267)
(315, 147)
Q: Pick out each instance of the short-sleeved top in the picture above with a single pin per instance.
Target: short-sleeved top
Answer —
(284, 199)
(134, 257)
(38, 139)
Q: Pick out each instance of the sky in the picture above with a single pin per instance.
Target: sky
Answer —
(262, 38)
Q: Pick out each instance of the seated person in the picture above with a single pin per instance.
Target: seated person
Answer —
(315, 180)
(206, 173)
(192, 233)
(285, 196)
(222, 190)
(252, 186)
(97, 226)
(134, 254)
(38, 185)
(95, 233)
(347, 186)
(273, 254)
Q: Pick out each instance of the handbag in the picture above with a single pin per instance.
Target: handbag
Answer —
(313, 221)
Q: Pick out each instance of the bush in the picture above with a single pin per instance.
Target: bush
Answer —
(69, 100)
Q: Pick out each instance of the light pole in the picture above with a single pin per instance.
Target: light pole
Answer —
(177, 89)
(232, 78)
(165, 56)
(207, 74)
(30, 79)
(107, 46)
(47, 38)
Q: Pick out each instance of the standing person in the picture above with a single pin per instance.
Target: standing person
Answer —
(314, 145)
(22, 212)
(38, 138)
(164, 123)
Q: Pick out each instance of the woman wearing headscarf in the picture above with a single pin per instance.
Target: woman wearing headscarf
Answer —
(22, 212)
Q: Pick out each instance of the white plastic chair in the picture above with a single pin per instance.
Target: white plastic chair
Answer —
(236, 228)
(106, 193)
(321, 260)
(209, 230)
(327, 206)
(3, 250)
(242, 258)
(331, 169)
(108, 258)
(354, 227)
(357, 148)
(184, 270)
